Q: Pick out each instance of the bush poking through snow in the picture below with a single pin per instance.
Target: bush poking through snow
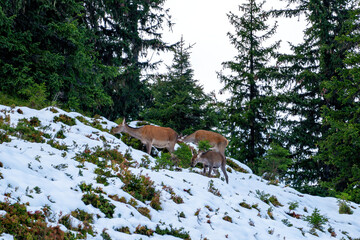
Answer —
(65, 119)
(235, 166)
(316, 220)
(180, 233)
(344, 208)
(213, 190)
(22, 224)
(144, 230)
(183, 153)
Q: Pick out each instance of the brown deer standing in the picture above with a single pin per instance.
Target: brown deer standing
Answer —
(216, 140)
(212, 160)
(149, 135)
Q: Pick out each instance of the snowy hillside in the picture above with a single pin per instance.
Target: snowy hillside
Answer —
(73, 172)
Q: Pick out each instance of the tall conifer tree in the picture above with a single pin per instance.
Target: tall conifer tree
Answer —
(45, 52)
(251, 108)
(178, 100)
(340, 149)
(126, 30)
(315, 61)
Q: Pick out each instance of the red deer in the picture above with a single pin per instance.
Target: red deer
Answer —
(216, 140)
(212, 160)
(149, 135)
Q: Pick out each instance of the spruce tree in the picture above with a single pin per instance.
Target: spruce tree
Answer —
(251, 109)
(340, 149)
(313, 62)
(178, 100)
(126, 30)
(45, 52)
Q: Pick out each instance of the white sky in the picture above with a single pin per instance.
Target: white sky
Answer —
(205, 24)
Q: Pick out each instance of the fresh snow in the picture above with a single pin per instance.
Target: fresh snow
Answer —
(28, 165)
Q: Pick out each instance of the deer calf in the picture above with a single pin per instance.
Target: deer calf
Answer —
(212, 160)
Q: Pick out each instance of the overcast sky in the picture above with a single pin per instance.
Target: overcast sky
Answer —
(205, 24)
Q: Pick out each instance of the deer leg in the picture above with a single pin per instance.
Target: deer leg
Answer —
(204, 169)
(210, 170)
(148, 147)
(224, 171)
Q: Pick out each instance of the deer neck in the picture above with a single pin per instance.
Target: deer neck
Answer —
(134, 132)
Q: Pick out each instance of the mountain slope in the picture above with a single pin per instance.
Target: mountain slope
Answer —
(69, 166)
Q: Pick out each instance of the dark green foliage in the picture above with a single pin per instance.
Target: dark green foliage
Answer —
(23, 130)
(344, 208)
(235, 166)
(124, 33)
(314, 69)
(316, 220)
(266, 198)
(65, 119)
(140, 187)
(4, 137)
(183, 153)
(132, 142)
(94, 156)
(60, 134)
(83, 216)
(251, 109)
(22, 224)
(341, 146)
(275, 162)
(164, 161)
(179, 233)
(178, 100)
(46, 55)
(57, 145)
(105, 235)
(98, 201)
(204, 145)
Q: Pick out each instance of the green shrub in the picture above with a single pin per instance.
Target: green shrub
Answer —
(179, 233)
(143, 230)
(245, 205)
(262, 196)
(235, 166)
(164, 161)
(293, 205)
(344, 208)
(83, 216)
(55, 144)
(98, 201)
(183, 153)
(4, 137)
(286, 222)
(93, 156)
(204, 145)
(60, 134)
(22, 224)
(140, 187)
(316, 220)
(227, 218)
(27, 132)
(275, 162)
(65, 119)
(145, 212)
(132, 142)
(212, 189)
(273, 199)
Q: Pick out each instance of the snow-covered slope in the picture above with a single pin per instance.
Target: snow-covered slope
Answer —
(41, 175)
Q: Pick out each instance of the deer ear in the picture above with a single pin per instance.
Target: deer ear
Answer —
(123, 121)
